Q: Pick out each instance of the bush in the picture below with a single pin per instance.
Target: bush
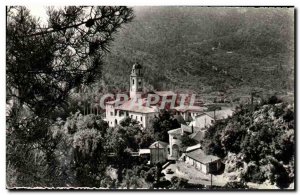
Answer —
(274, 100)
(235, 185)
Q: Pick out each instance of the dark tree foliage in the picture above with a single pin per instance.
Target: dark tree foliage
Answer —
(212, 143)
(235, 185)
(274, 100)
(279, 174)
(162, 124)
(270, 135)
(187, 141)
(139, 176)
(88, 159)
(288, 116)
(126, 122)
(44, 63)
(178, 183)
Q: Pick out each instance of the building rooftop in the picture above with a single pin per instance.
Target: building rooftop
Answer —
(180, 119)
(159, 144)
(190, 129)
(185, 108)
(191, 148)
(164, 93)
(184, 128)
(133, 106)
(198, 135)
(220, 114)
(114, 102)
(144, 151)
(200, 156)
(177, 131)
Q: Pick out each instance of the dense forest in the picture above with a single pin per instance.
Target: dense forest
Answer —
(206, 49)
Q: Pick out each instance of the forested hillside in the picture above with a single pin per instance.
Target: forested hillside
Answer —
(206, 49)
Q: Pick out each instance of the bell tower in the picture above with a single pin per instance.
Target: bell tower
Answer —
(136, 80)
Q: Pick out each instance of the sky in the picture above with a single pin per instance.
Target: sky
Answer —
(39, 12)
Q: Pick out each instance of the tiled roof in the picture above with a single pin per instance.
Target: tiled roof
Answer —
(159, 144)
(200, 156)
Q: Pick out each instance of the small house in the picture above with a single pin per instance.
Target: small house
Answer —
(206, 119)
(158, 152)
(202, 162)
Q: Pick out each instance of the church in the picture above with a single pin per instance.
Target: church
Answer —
(137, 106)
(143, 107)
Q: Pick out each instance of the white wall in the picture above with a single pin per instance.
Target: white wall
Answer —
(109, 117)
(203, 121)
(173, 141)
(199, 166)
(112, 115)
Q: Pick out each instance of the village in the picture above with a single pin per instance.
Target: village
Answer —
(185, 162)
(150, 98)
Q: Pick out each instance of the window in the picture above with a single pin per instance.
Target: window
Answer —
(133, 81)
(131, 116)
(141, 118)
(135, 117)
(111, 113)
